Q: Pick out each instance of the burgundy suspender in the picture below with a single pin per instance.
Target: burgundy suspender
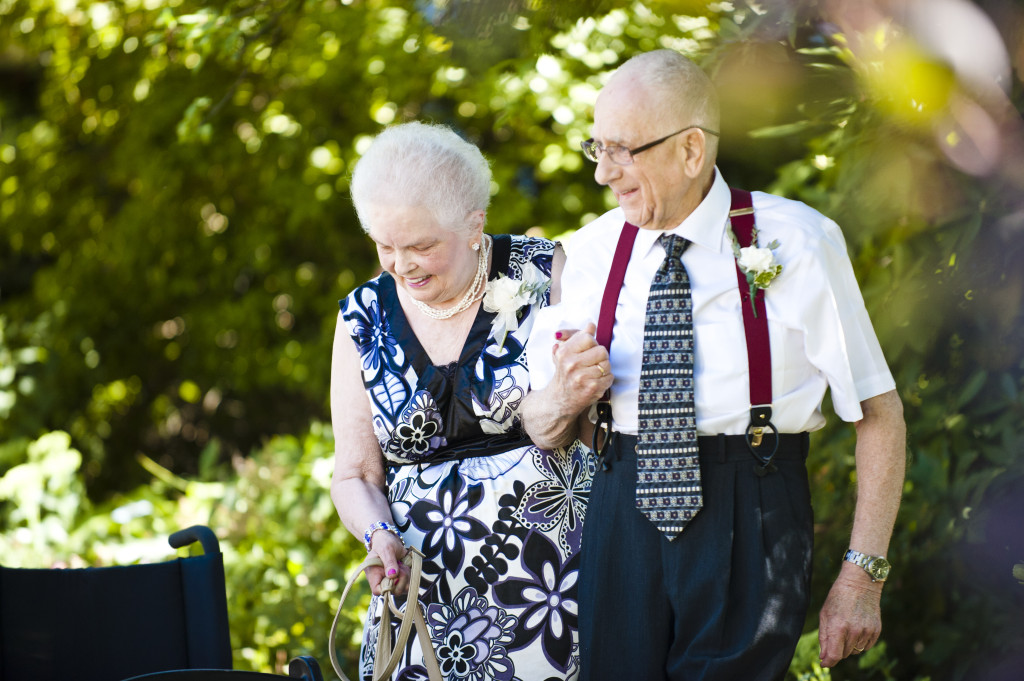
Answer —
(606, 322)
(759, 357)
(759, 363)
(755, 327)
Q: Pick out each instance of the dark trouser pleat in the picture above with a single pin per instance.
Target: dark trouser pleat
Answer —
(726, 600)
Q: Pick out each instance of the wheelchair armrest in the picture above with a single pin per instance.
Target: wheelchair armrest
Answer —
(305, 667)
(197, 533)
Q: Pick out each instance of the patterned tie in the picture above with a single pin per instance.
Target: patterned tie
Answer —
(668, 467)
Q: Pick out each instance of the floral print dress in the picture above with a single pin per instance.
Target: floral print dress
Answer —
(498, 520)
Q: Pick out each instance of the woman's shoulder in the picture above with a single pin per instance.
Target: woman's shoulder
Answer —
(532, 241)
(530, 249)
(364, 296)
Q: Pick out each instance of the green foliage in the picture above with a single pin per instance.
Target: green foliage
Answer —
(287, 556)
(805, 665)
(176, 233)
(177, 230)
(41, 494)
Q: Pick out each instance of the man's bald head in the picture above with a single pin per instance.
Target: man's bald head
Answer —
(675, 91)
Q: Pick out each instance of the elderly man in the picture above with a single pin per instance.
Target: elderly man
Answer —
(702, 344)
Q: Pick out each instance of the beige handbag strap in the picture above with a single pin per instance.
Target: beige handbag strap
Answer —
(385, 651)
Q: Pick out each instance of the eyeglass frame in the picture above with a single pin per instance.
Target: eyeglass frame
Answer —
(589, 146)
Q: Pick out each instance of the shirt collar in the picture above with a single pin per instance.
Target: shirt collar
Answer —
(705, 226)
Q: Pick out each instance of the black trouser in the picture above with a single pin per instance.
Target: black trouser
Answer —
(726, 600)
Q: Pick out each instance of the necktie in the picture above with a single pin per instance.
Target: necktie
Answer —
(668, 468)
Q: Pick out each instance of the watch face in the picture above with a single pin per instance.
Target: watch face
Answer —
(879, 568)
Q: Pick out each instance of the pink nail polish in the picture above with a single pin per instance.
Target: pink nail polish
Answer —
(558, 335)
(392, 572)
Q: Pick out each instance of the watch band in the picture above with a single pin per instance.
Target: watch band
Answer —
(877, 567)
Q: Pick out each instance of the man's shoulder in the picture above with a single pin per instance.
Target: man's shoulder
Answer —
(779, 217)
(774, 207)
(597, 231)
(804, 234)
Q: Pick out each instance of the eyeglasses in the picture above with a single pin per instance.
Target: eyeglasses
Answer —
(624, 155)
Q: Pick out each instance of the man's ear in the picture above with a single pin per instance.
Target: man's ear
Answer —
(694, 152)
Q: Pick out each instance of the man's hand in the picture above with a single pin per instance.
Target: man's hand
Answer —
(851, 619)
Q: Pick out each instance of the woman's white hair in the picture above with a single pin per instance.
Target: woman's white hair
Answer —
(423, 165)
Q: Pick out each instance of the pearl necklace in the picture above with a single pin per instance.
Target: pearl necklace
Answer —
(475, 292)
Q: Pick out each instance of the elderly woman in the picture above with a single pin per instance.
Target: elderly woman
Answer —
(429, 372)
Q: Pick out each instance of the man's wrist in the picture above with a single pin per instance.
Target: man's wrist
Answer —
(852, 576)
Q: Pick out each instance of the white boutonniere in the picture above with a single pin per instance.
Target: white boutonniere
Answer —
(758, 263)
(505, 296)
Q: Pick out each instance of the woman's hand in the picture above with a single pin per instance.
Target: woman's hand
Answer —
(582, 369)
(390, 550)
(552, 415)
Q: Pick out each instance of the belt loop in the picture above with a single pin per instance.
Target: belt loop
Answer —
(805, 445)
(721, 448)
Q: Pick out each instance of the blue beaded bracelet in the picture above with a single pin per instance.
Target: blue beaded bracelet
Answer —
(380, 525)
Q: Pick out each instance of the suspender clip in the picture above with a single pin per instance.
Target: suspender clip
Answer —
(760, 426)
(603, 426)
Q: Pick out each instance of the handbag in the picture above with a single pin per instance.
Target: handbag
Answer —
(412, 616)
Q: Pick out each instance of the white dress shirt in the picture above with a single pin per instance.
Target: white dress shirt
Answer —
(819, 329)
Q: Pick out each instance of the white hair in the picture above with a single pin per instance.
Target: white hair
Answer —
(685, 92)
(423, 165)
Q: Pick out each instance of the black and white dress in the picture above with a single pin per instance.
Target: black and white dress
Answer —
(498, 519)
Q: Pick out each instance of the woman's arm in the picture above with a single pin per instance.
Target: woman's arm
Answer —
(357, 484)
(557, 265)
(557, 415)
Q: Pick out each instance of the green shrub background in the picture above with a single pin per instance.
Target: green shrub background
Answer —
(175, 232)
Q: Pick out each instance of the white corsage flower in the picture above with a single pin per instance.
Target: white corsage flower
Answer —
(758, 263)
(505, 296)
(753, 258)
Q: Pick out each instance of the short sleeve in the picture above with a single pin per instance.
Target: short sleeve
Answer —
(576, 309)
(840, 339)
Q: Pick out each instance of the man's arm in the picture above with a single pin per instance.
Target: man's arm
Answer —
(552, 415)
(850, 620)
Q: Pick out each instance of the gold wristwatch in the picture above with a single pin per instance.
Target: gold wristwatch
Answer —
(877, 567)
